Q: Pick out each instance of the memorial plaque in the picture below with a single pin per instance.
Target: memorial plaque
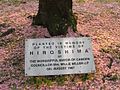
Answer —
(56, 56)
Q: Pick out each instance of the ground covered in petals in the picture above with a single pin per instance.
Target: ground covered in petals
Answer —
(100, 21)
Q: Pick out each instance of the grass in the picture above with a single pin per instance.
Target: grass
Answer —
(11, 1)
(81, 1)
(112, 77)
(101, 1)
(56, 80)
(114, 51)
(107, 1)
(49, 81)
(15, 2)
(14, 87)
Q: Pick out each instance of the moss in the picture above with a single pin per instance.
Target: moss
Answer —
(57, 26)
(72, 22)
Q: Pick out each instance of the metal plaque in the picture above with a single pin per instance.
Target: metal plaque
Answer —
(56, 56)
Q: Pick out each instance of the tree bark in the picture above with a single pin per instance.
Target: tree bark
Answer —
(56, 15)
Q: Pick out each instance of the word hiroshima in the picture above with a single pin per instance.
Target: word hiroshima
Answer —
(59, 51)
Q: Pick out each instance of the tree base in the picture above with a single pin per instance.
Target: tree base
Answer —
(56, 26)
(56, 15)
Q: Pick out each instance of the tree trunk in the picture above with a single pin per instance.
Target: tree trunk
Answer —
(56, 15)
